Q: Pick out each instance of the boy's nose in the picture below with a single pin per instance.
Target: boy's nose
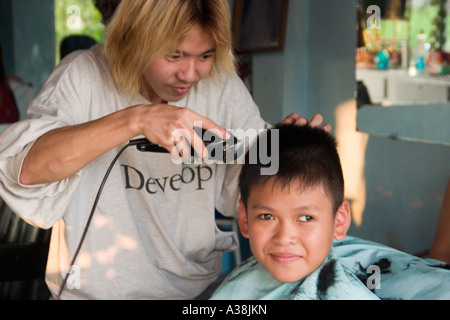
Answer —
(285, 235)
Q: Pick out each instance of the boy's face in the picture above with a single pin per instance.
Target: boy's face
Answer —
(171, 77)
(291, 231)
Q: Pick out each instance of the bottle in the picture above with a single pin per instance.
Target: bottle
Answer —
(382, 59)
(420, 54)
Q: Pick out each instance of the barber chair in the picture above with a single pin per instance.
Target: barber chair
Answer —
(23, 258)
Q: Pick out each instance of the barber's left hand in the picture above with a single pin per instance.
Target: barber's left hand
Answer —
(316, 121)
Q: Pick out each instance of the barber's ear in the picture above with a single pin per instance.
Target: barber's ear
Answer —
(342, 221)
(242, 219)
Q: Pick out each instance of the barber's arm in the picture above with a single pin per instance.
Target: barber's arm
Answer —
(63, 152)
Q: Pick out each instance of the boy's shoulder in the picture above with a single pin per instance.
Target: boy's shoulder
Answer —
(331, 281)
(249, 281)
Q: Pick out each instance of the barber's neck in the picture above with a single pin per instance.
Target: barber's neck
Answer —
(151, 96)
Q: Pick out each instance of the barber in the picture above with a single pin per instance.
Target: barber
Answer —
(165, 66)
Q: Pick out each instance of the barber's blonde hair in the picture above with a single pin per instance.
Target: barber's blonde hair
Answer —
(143, 30)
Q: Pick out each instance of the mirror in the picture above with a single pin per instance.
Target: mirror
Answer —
(403, 56)
(403, 60)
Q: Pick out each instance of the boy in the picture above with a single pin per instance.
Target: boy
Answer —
(291, 219)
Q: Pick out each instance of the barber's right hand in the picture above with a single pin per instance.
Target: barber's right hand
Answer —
(172, 128)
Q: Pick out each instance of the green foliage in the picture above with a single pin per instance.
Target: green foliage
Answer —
(421, 21)
(85, 12)
(438, 34)
(427, 17)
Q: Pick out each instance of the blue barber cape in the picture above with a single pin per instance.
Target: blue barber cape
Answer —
(354, 269)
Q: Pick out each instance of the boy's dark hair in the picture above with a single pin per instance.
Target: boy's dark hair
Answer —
(307, 156)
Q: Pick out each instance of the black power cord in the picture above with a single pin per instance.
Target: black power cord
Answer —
(139, 143)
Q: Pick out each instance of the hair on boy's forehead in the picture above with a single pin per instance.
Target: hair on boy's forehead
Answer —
(295, 184)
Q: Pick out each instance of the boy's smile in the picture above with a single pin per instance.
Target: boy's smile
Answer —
(291, 231)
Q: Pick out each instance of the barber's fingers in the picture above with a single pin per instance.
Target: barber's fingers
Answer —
(316, 121)
(185, 142)
(190, 134)
(294, 118)
(209, 125)
(165, 125)
(195, 137)
(180, 148)
(327, 127)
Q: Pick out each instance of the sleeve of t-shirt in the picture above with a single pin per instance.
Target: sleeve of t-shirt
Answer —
(59, 104)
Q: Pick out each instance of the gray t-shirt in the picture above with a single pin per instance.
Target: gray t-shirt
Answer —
(153, 235)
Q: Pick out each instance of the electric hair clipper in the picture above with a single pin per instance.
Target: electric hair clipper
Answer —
(219, 149)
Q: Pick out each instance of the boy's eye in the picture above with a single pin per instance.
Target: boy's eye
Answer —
(266, 216)
(305, 218)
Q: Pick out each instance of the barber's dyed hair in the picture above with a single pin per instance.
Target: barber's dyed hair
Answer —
(307, 157)
(143, 30)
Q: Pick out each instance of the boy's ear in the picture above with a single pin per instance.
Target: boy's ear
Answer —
(242, 219)
(342, 221)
